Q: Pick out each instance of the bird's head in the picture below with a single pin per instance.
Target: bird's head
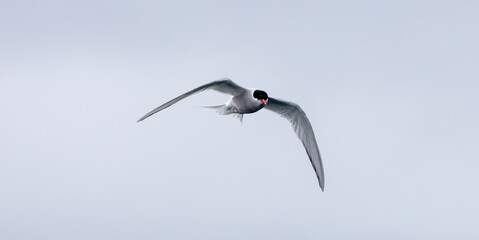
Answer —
(261, 95)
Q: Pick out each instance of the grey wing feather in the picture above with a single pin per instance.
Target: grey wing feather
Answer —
(223, 85)
(303, 129)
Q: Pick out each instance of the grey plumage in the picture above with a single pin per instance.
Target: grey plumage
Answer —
(244, 101)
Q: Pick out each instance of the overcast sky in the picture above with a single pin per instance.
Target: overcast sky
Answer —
(390, 87)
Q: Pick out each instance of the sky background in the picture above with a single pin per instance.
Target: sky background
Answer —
(390, 87)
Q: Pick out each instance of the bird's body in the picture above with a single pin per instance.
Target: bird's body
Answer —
(239, 105)
(246, 101)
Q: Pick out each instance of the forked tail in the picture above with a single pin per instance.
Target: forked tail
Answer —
(221, 109)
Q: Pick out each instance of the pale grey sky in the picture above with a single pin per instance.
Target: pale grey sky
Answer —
(389, 86)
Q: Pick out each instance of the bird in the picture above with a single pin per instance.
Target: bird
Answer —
(250, 100)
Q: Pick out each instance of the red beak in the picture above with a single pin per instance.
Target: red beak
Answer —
(263, 101)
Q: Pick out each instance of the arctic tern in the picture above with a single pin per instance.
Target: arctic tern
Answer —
(245, 100)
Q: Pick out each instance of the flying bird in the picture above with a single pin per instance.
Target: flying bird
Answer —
(248, 100)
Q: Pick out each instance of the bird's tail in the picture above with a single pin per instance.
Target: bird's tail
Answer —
(222, 110)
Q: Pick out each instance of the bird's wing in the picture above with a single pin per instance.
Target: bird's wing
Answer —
(223, 85)
(303, 129)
